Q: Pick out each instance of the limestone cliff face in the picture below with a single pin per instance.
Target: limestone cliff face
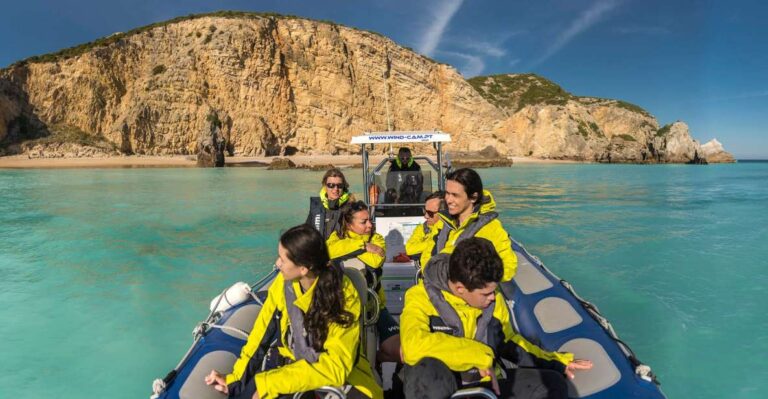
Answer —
(714, 152)
(286, 85)
(543, 120)
(276, 84)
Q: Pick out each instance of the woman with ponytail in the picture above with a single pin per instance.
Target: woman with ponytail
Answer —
(358, 240)
(317, 310)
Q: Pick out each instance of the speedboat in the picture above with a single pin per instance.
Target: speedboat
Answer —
(545, 309)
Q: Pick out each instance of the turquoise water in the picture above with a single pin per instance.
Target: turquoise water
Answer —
(106, 272)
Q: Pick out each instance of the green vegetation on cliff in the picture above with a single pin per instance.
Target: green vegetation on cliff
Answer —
(513, 92)
(664, 130)
(116, 37)
(626, 137)
(57, 135)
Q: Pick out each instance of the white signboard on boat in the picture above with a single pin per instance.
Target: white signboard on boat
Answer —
(402, 137)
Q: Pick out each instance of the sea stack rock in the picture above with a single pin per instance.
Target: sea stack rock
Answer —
(715, 153)
(211, 145)
(673, 144)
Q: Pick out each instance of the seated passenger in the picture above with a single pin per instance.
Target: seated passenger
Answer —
(424, 234)
(316, 309)
(471, 214)
(357, 240)
(404, 162)
(456, 329)
(324, 211)
(390, 196)
(411, 189)
(405, 174)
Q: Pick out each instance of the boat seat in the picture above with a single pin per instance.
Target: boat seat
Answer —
(242, 319)
(194, 386)
(528, 278)
(603, 374)
(555, 314)
(369, 336)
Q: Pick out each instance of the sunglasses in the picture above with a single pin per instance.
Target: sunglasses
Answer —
(331, 186)
(430, 213)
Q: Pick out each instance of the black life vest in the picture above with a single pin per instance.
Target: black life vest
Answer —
(324, 220)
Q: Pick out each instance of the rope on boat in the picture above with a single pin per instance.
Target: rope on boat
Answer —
(232, 329)
(642, 370)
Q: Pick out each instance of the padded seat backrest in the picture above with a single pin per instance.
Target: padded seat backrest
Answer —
(356, 264)
(358, 280)
(369, 334)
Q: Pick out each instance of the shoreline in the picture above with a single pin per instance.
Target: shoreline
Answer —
(189, 161)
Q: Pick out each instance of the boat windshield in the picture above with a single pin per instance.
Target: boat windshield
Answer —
(402, 193)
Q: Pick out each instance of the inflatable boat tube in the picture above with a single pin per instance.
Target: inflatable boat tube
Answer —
(548, 312)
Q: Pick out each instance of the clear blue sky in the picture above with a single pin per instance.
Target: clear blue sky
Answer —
(702, 62)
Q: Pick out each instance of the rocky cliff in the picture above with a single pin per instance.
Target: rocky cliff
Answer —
(543, 120)
(714, 152)
(284, 85)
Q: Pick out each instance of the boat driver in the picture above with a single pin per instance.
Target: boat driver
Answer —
(404, 162)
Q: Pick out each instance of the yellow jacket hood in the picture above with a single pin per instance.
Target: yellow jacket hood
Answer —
(326, 203)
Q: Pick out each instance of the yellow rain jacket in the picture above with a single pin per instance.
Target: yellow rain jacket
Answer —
(423, 333)
(353, 246)
(422, 238)
(341, 361)
(493, 231)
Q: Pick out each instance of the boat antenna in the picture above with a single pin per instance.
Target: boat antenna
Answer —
(385, 76)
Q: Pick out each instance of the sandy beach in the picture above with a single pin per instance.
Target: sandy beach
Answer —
(178, 161)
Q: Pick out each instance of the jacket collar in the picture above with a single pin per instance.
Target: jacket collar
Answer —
(303, 300)
(488, 204)
(352, 235)
(324, 198)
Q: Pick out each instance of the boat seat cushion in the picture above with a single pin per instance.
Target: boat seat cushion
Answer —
(529, 278)
(556, 314)
(194, 387)
(242, 319)
(603, 374)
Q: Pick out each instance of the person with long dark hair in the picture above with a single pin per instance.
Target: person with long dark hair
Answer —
(470, 213)
(316, 309)
(325, 209)
(357, 240)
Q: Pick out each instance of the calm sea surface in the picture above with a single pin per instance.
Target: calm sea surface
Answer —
(104, 273)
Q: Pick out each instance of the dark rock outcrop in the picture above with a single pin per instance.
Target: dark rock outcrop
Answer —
(211, 146)
(281, 163)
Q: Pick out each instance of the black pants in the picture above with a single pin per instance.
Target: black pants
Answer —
(273, 361)
(432, 379)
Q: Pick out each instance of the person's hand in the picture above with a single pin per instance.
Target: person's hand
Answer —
(218, 381)
(373, 248)
(494, 382)
(578, 364)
